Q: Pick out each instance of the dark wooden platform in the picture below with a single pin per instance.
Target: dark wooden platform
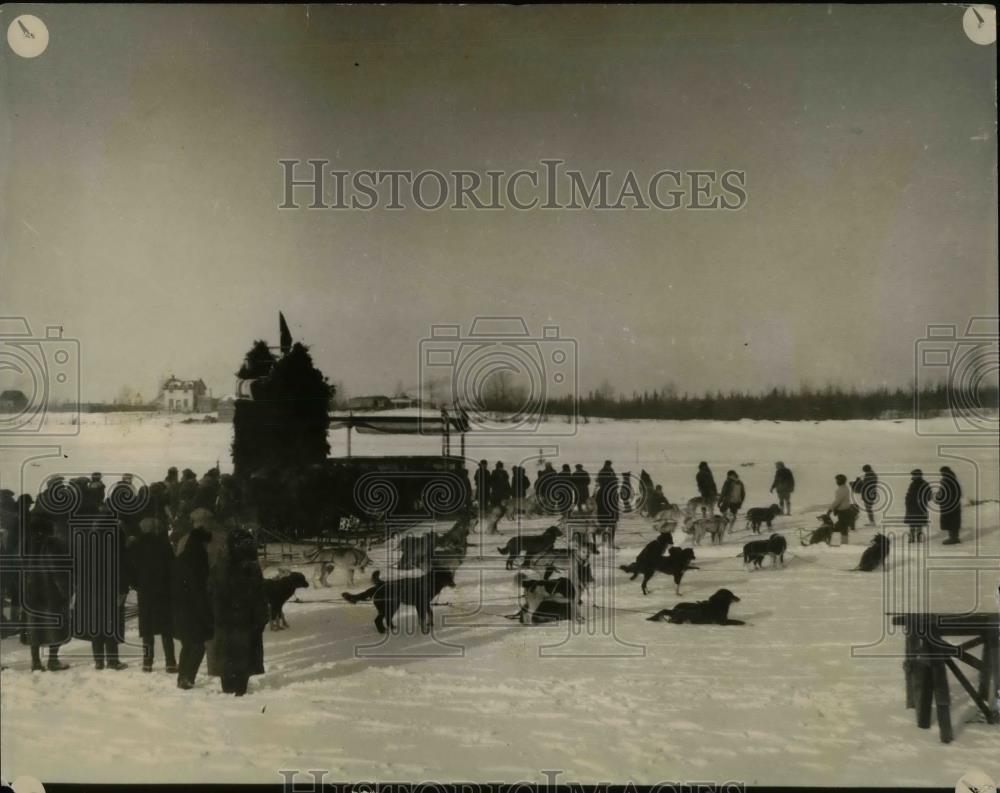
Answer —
(930, 657)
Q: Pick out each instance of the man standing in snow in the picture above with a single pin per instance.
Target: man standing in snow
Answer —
(239, 609)
(866, 486)
(706, 488)
(949, 501)
(499, 486)
(606, 497)
(732, 496)
(918, 496)
(841, 507)
(581, 485)
(783, 485)
(483, 486)
(191, 610)
(152, 559)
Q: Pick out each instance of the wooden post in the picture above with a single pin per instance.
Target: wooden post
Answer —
(942, 700)
(348, 440)
(925, 694)
(989, 674)
(910, 669)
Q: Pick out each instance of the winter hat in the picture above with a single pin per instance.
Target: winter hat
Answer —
(241, 545)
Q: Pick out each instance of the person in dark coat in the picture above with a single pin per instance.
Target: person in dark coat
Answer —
(562, 490)
(783, 486)
(543, 486)
(519, 486)
(152, 560)
(172, 483)
(656, 502)
(706, 487)
(483, 485)
(101, 556)
(240, 612)
(580, 479)
(46, 595)
(96, 487)
(949, 502)
(866, 486)
(606, 498)
(732, 496)
(10, 550)
(918, 496)
(191, 609)
(626, 491)
(208, 491)
(499, 486)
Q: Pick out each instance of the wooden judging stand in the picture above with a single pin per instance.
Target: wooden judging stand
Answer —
(930, 657)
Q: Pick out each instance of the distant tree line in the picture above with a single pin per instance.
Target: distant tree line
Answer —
(778, 404)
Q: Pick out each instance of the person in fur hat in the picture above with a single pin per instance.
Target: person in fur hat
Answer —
(240, 612)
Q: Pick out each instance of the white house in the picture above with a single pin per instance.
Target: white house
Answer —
(184, 396)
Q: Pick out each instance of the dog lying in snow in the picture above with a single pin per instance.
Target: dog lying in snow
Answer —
(714, 611)
(278, 591)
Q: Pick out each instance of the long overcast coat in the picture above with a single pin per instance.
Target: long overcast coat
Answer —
(239, 609)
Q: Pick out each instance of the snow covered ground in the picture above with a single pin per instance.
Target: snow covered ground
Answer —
(810, 691)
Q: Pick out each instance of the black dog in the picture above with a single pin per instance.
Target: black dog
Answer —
(675, 563)
(777, 547)
(369, 593)
(759, 515)
(551, 587)
(714, 611)
(647, 556)
(755, 551)
(417, 591)
(545, 600)
(552, 611)
(875, 554)
(532, 545)
(278, 591)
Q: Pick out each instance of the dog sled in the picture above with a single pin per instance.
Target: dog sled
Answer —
(822, 533)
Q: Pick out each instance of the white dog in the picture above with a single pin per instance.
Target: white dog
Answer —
(715, 526)
(346, 557)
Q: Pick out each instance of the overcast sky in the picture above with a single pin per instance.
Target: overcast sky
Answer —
(140, 186)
